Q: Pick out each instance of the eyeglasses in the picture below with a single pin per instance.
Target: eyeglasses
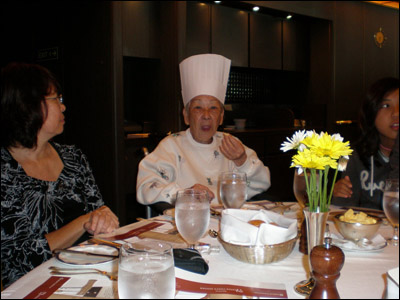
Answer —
(59, 98)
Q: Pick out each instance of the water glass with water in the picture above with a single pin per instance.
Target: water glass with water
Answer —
(192, 214)
(232, 189)
(146, 271)
(391, 207)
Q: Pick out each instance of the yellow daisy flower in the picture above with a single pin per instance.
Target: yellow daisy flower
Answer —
(318, 153)
(311, 160)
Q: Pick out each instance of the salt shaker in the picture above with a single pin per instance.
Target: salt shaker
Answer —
(326, 261)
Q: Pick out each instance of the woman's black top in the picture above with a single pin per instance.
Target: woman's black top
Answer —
(31, 208)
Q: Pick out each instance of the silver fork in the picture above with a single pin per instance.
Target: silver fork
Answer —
(70, 271)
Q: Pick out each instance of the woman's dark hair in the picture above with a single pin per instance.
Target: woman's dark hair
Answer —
(23, 89)
(368, 144)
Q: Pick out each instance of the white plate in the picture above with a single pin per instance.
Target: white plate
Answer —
(287, 207)
(77, 259)
(347, 246)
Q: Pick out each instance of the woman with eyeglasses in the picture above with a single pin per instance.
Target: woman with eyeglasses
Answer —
(49, 197)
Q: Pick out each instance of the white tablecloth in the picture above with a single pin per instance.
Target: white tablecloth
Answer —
(363, 275)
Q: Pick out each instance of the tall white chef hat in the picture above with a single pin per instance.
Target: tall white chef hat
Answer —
(204, 74)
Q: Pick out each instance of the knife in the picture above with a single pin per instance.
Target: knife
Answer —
(56, 251)
(104, 242)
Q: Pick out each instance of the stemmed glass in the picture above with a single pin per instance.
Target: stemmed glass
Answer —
(391, 207)
(192, 214)
(232, 189)
(299, 189)
(300, 192)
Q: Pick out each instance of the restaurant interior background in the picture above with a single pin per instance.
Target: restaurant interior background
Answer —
(118, 65)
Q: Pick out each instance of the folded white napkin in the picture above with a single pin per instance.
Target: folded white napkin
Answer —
(392, 291)
(378, 242)
(394, 275)
(235, 228)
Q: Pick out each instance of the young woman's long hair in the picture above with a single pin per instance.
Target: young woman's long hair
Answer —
(368, 144)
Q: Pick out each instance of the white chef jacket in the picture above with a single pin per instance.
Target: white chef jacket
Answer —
(179, 162)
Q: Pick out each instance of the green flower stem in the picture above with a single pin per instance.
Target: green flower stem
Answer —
(314, 186)
(333, 185)
(317, 189)
(326, 172)
(313, 190)
(307, 186)
(321, 190)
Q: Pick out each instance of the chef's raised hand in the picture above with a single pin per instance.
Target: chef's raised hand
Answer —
(233, 149)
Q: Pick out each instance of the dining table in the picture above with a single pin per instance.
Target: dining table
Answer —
(363, 276)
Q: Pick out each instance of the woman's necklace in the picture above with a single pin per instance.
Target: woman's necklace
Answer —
(385, 148)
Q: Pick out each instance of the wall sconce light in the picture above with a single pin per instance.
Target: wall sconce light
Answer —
(288, 17)
(256, 8)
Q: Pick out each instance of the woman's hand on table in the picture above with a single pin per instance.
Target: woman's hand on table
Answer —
(233, 149)
(343, 188)
(101, 220)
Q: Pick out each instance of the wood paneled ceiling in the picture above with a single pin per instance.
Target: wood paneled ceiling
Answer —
(391, 4)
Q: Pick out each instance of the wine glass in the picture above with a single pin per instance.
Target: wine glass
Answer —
(233, 189)
(300, 192)
(299, 189)
(192, 214)
(391, 207)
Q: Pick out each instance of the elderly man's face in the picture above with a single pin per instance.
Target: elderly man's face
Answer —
(204, 115)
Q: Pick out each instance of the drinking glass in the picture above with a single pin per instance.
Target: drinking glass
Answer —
(233, 189)
(391, 207)
(300, 192)
(146, 271)
(192, 214)
(299, 189)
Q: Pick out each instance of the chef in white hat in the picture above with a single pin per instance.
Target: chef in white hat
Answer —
(195, 157)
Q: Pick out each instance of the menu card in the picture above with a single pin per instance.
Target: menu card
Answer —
(234, 288)
(46, 289)
(60, 287)
(134, 232)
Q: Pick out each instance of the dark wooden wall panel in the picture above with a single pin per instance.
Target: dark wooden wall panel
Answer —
(348, 59)
(230, 34)
(198, 39)
(265, 42)
(379, 62)
(140, 28)
(295, 46)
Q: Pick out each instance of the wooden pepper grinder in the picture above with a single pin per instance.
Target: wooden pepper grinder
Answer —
(326, 262)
